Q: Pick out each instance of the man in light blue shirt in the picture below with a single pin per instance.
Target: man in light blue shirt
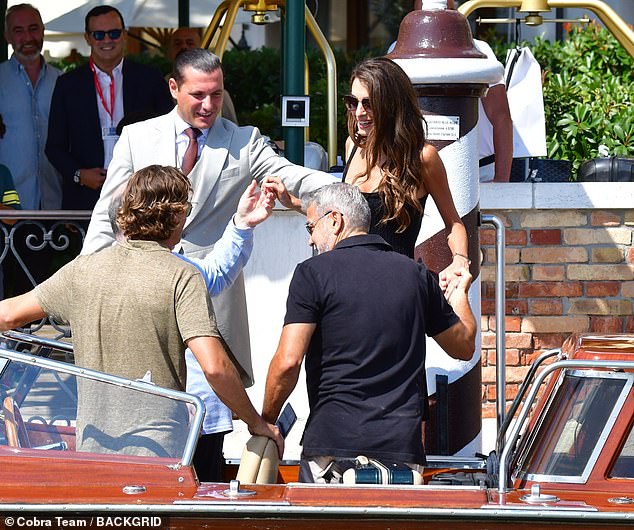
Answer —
(219, 270)
(26, 87)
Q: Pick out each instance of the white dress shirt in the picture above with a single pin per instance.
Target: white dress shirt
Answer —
(109, 118)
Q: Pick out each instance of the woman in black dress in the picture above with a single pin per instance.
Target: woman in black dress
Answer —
(389, 160)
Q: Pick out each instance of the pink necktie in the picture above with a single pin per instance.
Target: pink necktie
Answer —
(191, 153)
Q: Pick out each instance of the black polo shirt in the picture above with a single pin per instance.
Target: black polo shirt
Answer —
(364, 366)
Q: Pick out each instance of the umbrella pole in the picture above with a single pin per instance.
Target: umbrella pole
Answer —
(4, 52)
(183, 13)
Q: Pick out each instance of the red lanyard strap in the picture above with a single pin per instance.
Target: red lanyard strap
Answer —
(110, 110)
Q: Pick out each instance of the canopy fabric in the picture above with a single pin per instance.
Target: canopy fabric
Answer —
(143, 13)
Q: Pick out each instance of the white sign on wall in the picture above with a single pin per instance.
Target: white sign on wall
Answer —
(442, 127)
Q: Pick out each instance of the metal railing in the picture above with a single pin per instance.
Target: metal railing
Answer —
(93, 375)
(500, 324)
(37, 244)
(508, 451)
(221, 34)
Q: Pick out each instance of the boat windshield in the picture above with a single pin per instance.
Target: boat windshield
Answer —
(570, 434)
(56, 406)
(624, 465)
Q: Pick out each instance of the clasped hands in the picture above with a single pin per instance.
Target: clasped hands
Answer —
(256, 204)
(455, 279)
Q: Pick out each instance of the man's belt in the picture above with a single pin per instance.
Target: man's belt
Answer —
(487, 160)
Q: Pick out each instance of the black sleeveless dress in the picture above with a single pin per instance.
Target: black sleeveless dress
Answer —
(403, 242)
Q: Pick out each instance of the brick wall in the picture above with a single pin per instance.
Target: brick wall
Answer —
(566, 270)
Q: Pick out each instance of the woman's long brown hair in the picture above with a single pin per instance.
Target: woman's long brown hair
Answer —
(396, 140)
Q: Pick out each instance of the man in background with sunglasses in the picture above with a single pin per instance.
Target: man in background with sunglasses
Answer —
(89, 102)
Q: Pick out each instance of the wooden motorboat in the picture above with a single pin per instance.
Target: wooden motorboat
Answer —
(565, 455)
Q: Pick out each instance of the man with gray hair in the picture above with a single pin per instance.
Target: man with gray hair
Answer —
(359, 313)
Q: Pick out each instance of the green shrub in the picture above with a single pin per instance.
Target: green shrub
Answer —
(66, 65)
(253, 80)
(588, 94)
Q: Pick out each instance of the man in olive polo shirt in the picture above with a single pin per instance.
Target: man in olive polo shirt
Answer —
(134, 307)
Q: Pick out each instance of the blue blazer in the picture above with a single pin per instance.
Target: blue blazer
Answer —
(74, 132)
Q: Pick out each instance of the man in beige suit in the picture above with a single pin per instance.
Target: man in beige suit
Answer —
(229, 157)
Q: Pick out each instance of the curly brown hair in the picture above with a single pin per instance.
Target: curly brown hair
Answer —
(397, 138)
(152, 201)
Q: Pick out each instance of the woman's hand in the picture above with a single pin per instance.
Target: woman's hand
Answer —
(274, 183)
(451, 276)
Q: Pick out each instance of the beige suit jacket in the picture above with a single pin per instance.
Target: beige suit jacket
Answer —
(231, 157)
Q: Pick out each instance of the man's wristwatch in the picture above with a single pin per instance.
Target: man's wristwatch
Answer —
(76, 177)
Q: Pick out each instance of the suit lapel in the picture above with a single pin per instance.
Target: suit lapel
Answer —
(128, 87)
(88, 108)
(162, 138)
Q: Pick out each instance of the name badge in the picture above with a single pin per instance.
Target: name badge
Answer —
(109, 133)
(109, 137)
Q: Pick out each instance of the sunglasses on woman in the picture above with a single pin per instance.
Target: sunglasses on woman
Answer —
(99, 34)
(352, 103)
